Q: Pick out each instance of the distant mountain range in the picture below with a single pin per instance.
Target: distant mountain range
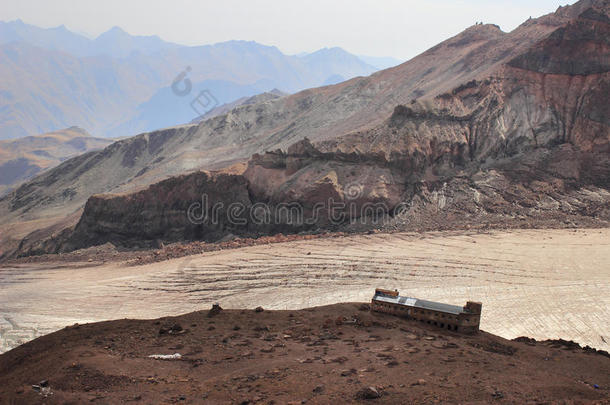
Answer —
(117, 84)
(114, 42)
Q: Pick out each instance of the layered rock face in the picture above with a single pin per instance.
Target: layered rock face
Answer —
(174, 209)
(527, 143)
(302, 190)
(306, 189)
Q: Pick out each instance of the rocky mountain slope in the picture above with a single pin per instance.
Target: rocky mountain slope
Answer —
(491, 126)
(336, 354)
(23, 158)
(226, 108)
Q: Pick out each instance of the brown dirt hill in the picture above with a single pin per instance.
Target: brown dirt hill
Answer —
(471, 104)
(23, 158)
(321, 355)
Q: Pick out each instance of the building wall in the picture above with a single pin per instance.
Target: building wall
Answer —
(464, 322)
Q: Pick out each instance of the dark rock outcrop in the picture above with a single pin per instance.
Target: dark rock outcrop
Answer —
(179, 208)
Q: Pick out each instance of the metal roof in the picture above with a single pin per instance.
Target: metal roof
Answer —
(423, 304)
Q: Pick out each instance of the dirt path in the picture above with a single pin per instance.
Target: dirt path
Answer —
(538, 283)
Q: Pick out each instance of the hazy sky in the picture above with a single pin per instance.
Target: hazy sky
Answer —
(398, 28)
